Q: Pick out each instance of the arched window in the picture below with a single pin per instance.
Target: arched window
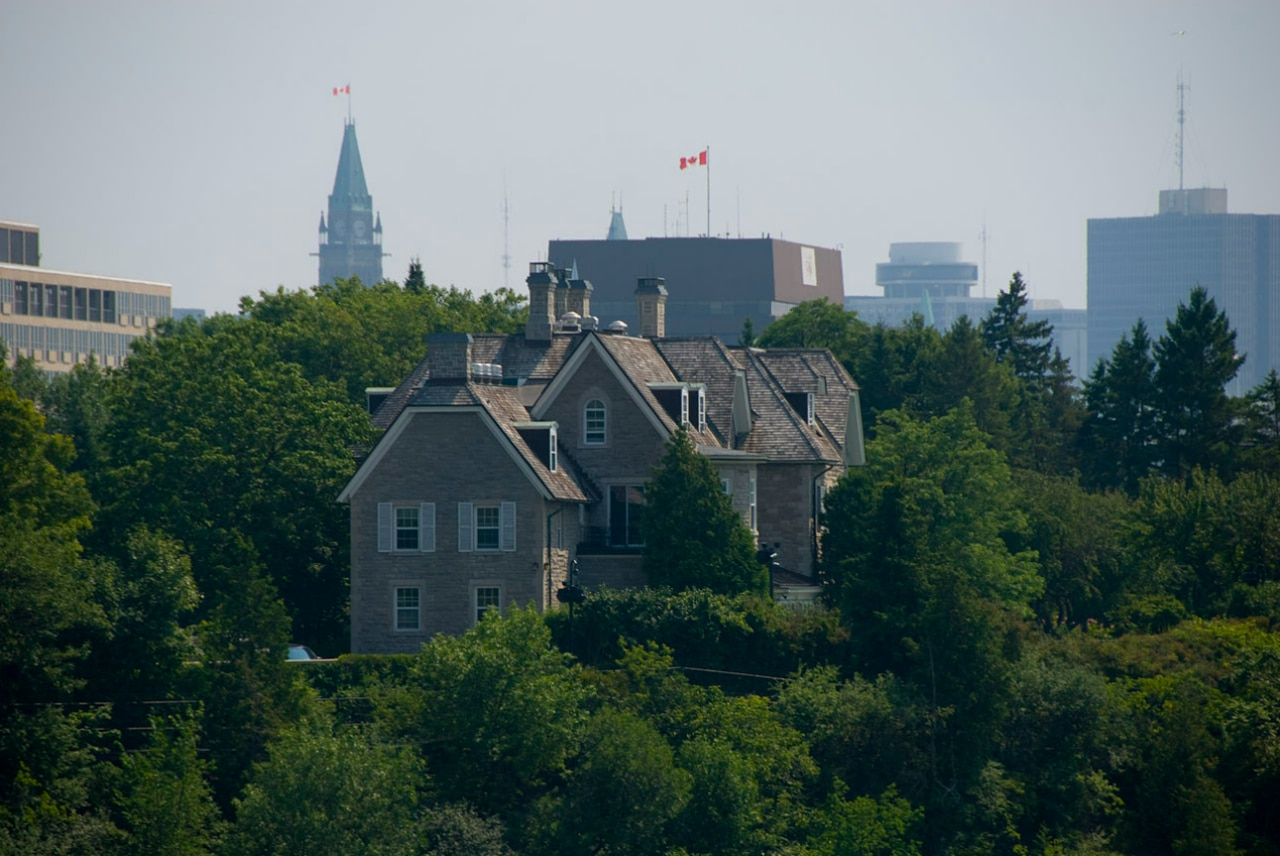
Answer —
(593, 423)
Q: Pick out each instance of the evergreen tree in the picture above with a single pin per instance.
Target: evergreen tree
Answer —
(693, 536)
(747, 338)
(416, 282)
(1261, 451)
(1195, 359)
(1024, 345)
(1118, 437)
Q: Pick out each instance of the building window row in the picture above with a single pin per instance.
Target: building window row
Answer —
(51, 343)
(405, 527)
(407, 605)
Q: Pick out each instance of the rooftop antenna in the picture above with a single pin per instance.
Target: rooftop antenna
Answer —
(506, 237)
(983, 237)
(1182, 121)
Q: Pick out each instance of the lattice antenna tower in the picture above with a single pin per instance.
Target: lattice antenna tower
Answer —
(506, 239)
(1182, 122)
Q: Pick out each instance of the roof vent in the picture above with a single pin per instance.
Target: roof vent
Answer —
(570, 322)
(617, 327)
(486, 373)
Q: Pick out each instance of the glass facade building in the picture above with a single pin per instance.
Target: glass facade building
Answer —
(1144, 267)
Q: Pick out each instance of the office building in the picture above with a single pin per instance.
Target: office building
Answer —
(351, 239)
(930, 279)
(714, 284)
(59, 318)
(1144, 267)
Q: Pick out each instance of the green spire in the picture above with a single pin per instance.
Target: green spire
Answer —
(348, 184)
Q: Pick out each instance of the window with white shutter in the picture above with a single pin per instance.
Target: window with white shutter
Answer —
(385, 516)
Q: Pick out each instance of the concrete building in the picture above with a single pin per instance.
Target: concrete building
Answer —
(1144, 267)
(505, 458)
(59, 318)
(930, 279)
(351, 239)
(714, 283)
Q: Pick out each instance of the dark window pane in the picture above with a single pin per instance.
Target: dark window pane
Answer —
(33, 248)
(37, 299)
(64, 301)
(15, 247)
(109, 307)
(4, 245)
(51, 301)
(95, 304)
(20, 298)
(82, 304)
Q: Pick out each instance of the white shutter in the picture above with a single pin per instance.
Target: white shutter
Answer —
(427, 527)
(386, 537)
(466, 528)
(509, 526)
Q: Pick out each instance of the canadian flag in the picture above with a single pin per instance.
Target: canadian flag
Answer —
(700, 159)
(342, 90)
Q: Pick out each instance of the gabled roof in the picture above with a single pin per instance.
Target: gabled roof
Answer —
(500, 410)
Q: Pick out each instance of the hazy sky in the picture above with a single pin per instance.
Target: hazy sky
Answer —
(195, 143)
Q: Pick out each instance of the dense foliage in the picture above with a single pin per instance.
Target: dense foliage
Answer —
(1049, 622)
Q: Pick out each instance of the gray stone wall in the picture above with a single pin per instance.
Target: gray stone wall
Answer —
(445, 458)
(786, 499)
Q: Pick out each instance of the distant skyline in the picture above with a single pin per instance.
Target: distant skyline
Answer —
(196, 143)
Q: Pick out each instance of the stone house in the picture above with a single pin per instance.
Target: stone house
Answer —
(506, 457)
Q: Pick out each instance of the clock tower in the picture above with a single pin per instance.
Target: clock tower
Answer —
(351, 241)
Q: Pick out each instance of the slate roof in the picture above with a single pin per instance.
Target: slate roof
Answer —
(348, 182)
(503, 404)
(780, 434)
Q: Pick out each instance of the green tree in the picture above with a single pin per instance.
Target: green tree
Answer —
(747, 338)
(216, 443)
(330, 791)
(498, 712)
(868, 826)
(900, 369)
(625, 790)
(1261, 450)
(166, 804)
(693, 537)
(1195, 359)
(817, 324)
(416, 281)
(1118, 437)
(1024, 345)
(967, 369)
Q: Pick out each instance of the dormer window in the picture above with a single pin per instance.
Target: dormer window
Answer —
(553, 460)
(674, 399)
(802, 404)
(594, 423)
(702, 408)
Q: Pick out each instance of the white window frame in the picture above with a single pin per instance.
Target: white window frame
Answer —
(727, 485)
(702, 409)
(491, 527)
(553, 457)
(810, 417)
(753, 513)
(403, 611)
(389, 528)
(468, 525)
(478, 609)
(684, 405)
(595, 436)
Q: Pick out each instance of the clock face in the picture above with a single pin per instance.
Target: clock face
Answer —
(358, 228)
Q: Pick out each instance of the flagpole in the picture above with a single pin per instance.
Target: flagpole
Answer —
(708, 191)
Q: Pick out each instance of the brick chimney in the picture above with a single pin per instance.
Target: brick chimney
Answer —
(651, 303)
(450, 357)
(542, 284)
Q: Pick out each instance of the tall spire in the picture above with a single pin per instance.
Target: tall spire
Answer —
(352, 245)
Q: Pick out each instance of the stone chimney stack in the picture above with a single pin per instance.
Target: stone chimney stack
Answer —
(580, 296)
(450, 357)
(542, 284)
(651, 302)
(562, 292)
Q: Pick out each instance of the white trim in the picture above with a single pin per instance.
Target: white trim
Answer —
(395, 608)
(564, 378)
(388, 440)
(486, 585)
